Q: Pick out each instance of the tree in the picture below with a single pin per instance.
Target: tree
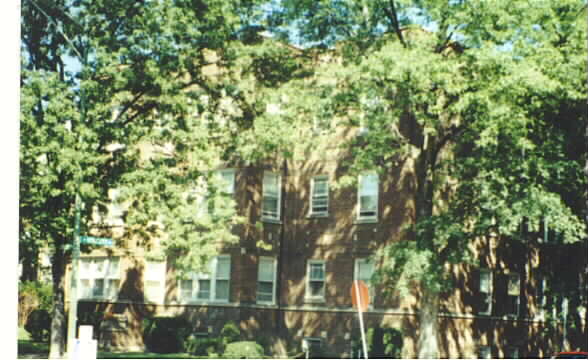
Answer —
(102, 81)
(478, 95)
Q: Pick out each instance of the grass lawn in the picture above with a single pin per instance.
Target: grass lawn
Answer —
(144, 355)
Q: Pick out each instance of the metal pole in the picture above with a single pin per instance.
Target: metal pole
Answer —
(360, 314)
(73, 289)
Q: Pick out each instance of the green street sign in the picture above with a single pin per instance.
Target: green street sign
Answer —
(96, 241)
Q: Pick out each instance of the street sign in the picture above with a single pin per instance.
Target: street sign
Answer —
(92, 240)
(360, 295)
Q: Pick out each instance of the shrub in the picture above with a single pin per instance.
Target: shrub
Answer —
(243, 350)
(166, 334)
(381, 343)
(39, 325)
(230, 333)
(33, 295)
(202, 346)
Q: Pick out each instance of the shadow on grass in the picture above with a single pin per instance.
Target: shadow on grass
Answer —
(144, 355)
(28, 347)
(41, 350)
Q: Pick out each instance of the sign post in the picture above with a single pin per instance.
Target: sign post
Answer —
(361, 299)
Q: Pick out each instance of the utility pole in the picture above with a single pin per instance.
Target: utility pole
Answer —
(73, 288)
(82, 54)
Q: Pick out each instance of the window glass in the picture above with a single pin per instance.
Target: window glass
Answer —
(368, 196)
(316, 280)
(265, 280)
(271, 196)
(320, 195)
(213, 286)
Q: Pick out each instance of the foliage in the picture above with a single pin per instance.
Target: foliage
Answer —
(204, 346)
(230, 333)
(39, 325)
(116, 95)
(477, 98)
(382, 343)
(243, 350)
(33, 295)
(27, 347)
(166, 334)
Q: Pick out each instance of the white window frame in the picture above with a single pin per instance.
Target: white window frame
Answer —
(116, 210)
(540, 297)
(360, 194)
(109, 275)
(308, 294)
(228, 176)
(265, 213)
(514, 292)
(155, 273)
(274, 264)
(368, 282)
(201, 190)
(489, 292)
(317, 197)
(213, 277)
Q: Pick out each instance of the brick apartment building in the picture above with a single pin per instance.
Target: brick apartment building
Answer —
(303, 242)
(317, 240)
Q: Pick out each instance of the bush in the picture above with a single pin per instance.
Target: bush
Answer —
(33, 295)
(230, 333)
(382, 343)
(243, 350)
(39, 325)
(203, 346)
(166, 335)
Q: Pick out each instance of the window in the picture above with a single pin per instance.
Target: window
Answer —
(99, 277)
(513, 295)
(154, 278)
(223, 180)
(485, 292)
(368, 197)
(319, 202)
(364, 269)
(227, 178)
(315, 287)
(484, 352)
(213, 286)
(271, 196)
(266, 280)
(116, 209)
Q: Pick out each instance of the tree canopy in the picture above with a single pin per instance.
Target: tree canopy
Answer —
(482, 96)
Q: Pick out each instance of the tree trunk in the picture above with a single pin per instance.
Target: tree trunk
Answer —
(427, 344)
(58, 318)
(428, 347)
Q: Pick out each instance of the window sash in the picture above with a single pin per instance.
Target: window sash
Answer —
(99, 277)
(320, 195)
(363, 271)
(486, 292)
(368, 196)
(316, 280)
(271, 196)
(228, 180)
(266, 280)
(214, 286)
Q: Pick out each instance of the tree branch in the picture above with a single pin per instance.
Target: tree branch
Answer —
(393, 17)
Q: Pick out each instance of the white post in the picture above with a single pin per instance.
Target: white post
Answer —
(360, 314)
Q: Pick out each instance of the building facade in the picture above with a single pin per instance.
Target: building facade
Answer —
(288, 279)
